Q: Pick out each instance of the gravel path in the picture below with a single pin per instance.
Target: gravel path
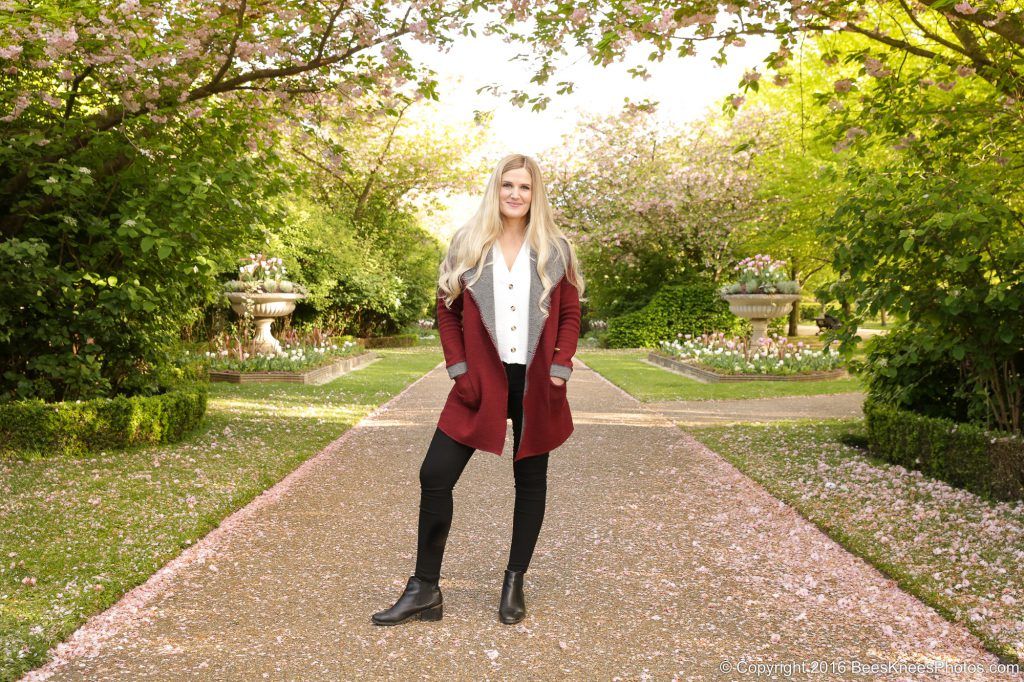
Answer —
(701, 412)
(658, 560)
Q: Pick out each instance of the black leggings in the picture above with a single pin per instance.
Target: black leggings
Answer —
(445, 460)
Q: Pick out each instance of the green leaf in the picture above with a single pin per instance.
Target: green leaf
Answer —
(147, 243)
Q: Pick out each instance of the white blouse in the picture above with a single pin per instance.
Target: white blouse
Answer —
(511, 301)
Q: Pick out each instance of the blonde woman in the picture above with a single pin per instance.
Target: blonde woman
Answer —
(508, 313)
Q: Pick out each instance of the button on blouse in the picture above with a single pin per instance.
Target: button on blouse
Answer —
(511, 301)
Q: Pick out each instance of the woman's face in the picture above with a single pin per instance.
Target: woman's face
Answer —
(516, 193)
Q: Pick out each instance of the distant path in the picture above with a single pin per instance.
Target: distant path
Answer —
(812, 329)
(702, 412)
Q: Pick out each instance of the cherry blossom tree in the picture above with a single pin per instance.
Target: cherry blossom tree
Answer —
(70, 78)
(649, 204)
(958, 39)
(140, 142)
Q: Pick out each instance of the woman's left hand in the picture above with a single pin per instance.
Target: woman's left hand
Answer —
(557, 381)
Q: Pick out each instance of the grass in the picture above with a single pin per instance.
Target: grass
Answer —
(952, 549)
(648, 382)
(90, 529)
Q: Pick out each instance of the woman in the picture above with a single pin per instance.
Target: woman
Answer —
(508, 346)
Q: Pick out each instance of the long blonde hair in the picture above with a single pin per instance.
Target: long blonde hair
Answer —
(471, 242)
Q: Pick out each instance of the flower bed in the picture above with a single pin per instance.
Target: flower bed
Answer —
(775, 356)
(320, 374)
(292, 358)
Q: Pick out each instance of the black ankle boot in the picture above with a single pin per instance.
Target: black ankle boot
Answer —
(421, 600)
(513, 605)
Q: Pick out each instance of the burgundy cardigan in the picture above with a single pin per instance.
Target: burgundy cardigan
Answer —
(475, 413)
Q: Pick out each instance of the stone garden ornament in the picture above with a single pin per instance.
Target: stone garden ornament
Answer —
(261, 291)
(763, 292)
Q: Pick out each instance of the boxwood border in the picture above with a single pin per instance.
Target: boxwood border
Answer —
(967, 456)
(35, 428)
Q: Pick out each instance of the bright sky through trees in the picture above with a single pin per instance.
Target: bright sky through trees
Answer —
(686, 87)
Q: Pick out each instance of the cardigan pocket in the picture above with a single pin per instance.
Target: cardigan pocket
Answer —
(557, 392)
(465, 390)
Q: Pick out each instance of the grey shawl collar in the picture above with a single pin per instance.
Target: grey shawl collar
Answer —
(483, 295)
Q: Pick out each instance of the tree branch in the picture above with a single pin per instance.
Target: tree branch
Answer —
(929, 34)
(70, 105)
(234, 43)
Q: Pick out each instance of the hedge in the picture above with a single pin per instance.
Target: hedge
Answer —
(692, 307)
(964, 455)
(395, 341)
(34, 428)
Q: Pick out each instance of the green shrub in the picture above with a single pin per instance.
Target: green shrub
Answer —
(395, 341)
(967, 456)
(809, 311)
(903, 370)
(776, 325)
(690, 307)
(34, 428)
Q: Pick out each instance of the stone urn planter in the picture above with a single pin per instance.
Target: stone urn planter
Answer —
(266, 307)
(759, 308)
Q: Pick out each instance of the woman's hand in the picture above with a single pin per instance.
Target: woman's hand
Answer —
(557, 381)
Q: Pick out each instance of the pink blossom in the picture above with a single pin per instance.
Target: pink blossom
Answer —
(20, 104)
(10, 51)
(876, 68)
(999, 16)
(843, 85)
(905, 141)
(55, 102)
(965, 8)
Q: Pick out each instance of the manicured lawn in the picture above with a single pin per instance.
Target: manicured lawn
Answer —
(952, 549)
(88, 530)
(648, 382)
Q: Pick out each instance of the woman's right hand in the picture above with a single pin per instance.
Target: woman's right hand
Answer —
(464, 387)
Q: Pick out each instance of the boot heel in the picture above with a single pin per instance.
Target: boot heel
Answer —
(433, 613)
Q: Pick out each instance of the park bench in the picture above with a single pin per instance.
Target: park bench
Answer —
(826, 322)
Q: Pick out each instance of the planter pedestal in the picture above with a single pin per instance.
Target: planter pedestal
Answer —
(265, 308)
(759, 308)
